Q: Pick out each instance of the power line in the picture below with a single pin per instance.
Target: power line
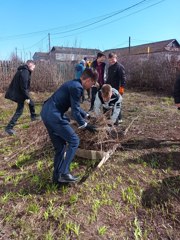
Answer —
(33, 44)
(105, 24)
(52, 29)
(102, 18)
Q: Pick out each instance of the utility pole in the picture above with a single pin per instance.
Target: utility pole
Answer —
(49, 40)
(129, 44)
(16, 53)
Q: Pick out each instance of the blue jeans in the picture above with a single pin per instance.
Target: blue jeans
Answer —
(64, 140)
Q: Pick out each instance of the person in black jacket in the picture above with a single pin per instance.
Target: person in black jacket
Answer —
(18, 92)
(116, 76)
(177, 87)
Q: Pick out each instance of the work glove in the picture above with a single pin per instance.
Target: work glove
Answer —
(28, 101)
(121, 90)
(91, 128)
(88, 116)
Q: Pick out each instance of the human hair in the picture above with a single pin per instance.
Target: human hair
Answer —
(112, 55)
(30, 61)
(90, 73)
(100, 54)
(106, 89)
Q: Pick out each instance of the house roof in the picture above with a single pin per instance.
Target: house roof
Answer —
(41, 54)
(161, 46)
(83, 51)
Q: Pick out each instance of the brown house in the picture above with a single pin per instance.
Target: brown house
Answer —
(167, 48)
(72, 54)
(41, 56)
(63, 54)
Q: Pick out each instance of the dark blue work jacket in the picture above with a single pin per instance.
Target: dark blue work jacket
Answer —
(67, 96)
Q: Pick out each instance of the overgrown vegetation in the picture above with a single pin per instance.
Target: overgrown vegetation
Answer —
(46, 77)
(135, 195)
(151, 73)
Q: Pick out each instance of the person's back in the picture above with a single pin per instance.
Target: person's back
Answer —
(79, 68)
(67, 96)
(19, 85)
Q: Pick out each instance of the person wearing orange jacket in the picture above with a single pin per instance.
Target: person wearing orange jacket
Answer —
(116, 76)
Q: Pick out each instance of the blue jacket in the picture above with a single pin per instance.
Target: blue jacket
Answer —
(67, 96)
(79, 68)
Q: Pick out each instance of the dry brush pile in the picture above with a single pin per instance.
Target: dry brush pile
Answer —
(36, 137)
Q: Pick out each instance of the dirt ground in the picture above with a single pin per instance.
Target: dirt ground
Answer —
(134, 195)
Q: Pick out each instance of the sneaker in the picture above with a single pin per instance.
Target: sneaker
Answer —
(120, 121)
(36, 118)
(10, 131)
(67, 178)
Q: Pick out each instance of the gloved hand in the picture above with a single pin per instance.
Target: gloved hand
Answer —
(88, 116)
(121, 90)
(28, 101)
(91, 128)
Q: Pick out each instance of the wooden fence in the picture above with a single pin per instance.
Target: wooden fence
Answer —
(46, 76)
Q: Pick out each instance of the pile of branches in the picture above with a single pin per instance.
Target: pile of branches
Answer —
(103, 139)
(36, 137)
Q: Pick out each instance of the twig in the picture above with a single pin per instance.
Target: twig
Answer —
(107, 155)
(127, 129)
(107, 141)
(22, 149)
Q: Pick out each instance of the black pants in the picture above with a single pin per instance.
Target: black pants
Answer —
(18, 113)
(93, 96)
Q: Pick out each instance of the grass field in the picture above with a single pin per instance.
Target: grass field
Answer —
(134, 195)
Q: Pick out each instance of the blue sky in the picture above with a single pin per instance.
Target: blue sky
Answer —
(99, 24)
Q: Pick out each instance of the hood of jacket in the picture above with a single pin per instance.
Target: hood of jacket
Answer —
(23, 67)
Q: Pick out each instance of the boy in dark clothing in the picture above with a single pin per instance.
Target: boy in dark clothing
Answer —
(100, 66)
(62, 135)
(18, 92)
(177, 87)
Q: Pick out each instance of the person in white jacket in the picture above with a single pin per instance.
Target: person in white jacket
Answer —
(108, 99)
